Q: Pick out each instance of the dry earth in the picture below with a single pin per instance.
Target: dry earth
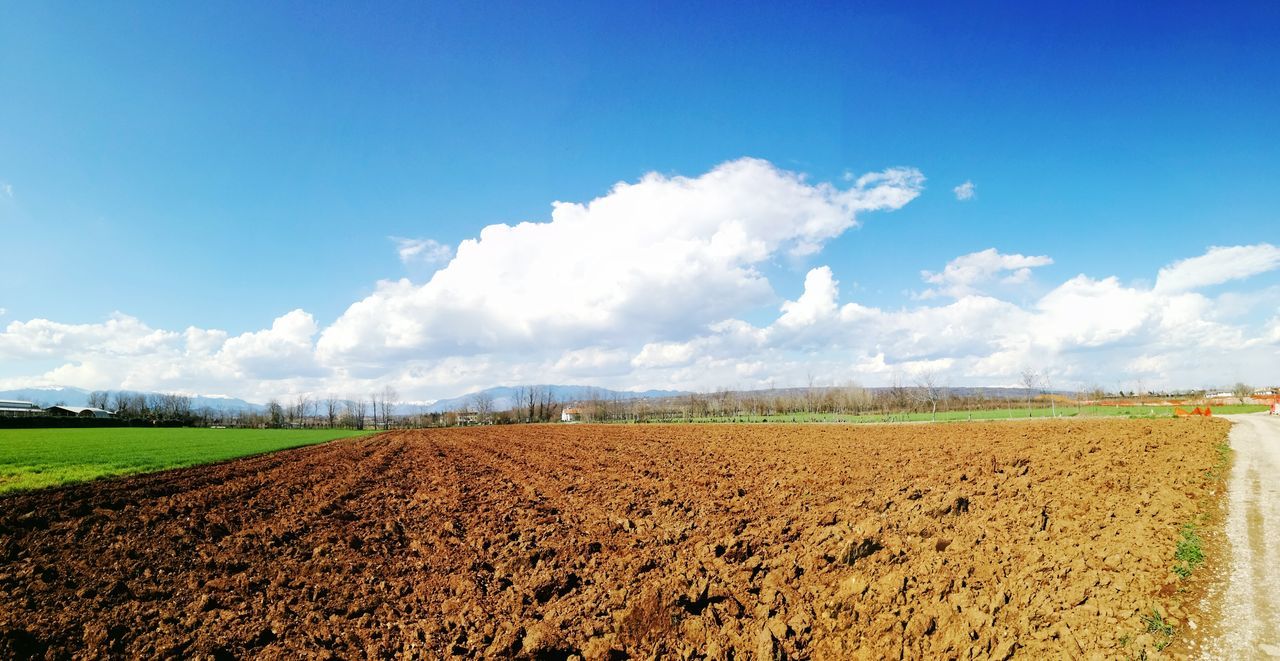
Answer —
(718, 541)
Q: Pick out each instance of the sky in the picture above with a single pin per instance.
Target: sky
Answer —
(260, 200)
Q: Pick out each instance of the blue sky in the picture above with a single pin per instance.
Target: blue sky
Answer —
(220, 165)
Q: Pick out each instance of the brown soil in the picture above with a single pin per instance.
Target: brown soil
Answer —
(720, 541)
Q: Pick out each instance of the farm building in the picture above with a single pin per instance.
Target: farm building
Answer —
(571, 415)
(15, 408)
(78, 412)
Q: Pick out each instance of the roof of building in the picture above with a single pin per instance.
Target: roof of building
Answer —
(17, 404)
(81, 409)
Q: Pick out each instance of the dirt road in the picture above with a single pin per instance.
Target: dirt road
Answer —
(1247, 598)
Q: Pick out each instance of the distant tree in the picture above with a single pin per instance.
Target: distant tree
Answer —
(928, 391)
(99, 399)
(373, 409)
(1048, 390)
(388, 398)
(275, 413)
(302, 406)
(331, 403)
(1029, 380)
(482, 404)
(357, 409)
(517, 403)
(1241, 391)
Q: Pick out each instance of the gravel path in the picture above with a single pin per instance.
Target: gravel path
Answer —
(1247, 599)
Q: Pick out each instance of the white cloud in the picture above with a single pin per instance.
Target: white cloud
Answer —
(123, 352)
(1218, 265)
(593, 361)
(964, 191)
(427, 252)
(284, 350)
(6, 189)
(650, 261)
(818, 301)
(651, 284)
(666, 354)
(966, 274)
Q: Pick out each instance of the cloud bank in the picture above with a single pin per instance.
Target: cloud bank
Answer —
(652, 284)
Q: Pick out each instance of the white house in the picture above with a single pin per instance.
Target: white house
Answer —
(571, 414)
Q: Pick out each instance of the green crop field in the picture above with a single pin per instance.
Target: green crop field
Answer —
(37, 458)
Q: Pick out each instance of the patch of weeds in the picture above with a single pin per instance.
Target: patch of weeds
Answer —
(1163, 630)
(1190, 552)
(1219, 469)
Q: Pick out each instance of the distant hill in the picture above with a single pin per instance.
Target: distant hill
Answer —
(504, 397)
(52, 395)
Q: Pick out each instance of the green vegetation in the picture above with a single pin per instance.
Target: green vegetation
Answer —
(37, 458)
(1163, 630)
(1190, 552)
(1014, 413)
(1224, 461)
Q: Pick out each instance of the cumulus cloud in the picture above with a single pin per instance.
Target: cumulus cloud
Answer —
(427, 252)
(284, 350)
(967, 273)
(1089, 329)
(652, 260)
(964, 191)
(661, 283)
(818, 301)
(124, 352)
(1218, 265)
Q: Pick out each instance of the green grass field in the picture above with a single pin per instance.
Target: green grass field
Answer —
(37, 458)
(988, 414)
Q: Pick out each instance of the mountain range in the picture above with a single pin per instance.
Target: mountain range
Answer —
(70, 396)
(504, 397)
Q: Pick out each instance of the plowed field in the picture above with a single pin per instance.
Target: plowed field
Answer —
(613, 542)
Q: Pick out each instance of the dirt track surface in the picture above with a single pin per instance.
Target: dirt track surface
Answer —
(716, 541)
(1246, 603)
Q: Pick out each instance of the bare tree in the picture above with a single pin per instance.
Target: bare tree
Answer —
(482, 403)
(928, 391)
(375, 407)
(331, 403)
(275, 413)
(357, 409)
(388, 401)
(301, 408)
(98, 399)
(1242, 390)
(1029, 380)
(518, 395)
(1048, 390)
